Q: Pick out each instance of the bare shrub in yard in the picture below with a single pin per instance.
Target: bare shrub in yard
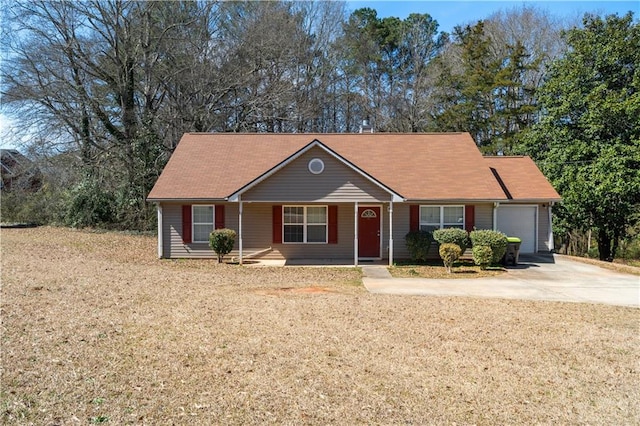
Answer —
(482, 256)
(221, 241)
(449, 253)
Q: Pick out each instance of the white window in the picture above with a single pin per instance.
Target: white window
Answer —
(438, 217)
(304, 224)
(202, 223)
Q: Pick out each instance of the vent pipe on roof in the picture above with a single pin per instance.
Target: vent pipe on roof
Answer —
(366, 127)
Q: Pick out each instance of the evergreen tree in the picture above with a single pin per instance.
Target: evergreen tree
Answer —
(588, 140)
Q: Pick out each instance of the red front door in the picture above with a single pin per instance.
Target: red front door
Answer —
(368, 231)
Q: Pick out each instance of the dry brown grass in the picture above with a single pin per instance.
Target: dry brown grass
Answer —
(95, 329)
(461, 270)
(630, 268)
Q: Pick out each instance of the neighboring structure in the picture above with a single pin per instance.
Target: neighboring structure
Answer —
(18, 172)
(342, 196)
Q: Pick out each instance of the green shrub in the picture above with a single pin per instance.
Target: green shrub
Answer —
(496, 240)
(221, 241)
(482, 255)
(418, 244)
(89, 205)
(629, 248)
(45, 206)
(457, 236)
(449, 253)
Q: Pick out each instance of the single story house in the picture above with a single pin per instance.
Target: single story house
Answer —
(342, 196)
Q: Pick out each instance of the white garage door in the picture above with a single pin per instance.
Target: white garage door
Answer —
(519, 221)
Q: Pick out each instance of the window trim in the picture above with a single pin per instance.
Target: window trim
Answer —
(442, 224)
(194, 223)
(305, 224)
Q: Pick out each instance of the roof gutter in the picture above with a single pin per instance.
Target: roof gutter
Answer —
(184, 200)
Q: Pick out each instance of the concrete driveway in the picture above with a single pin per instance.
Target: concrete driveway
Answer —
(537, 277)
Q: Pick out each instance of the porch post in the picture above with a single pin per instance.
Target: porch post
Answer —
(391, 233)
(355, 235)
(551, 242)
(160, 241)
(495, 216)
(240, 230)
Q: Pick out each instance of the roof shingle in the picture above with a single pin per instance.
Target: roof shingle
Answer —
(418, 166)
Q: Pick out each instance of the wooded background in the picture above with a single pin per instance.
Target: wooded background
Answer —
(100, 93)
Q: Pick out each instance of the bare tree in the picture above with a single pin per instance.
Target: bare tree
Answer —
(94, 77)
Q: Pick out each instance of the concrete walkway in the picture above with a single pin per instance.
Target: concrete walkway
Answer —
(552, 278)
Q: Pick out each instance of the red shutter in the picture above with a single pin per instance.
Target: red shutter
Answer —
(219, 216)
(469, 218)
(414, 217)
(186, 224)
(277, 224)
(333, 224)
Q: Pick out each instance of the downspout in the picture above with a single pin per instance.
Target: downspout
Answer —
(391, 233)
(240, 230)
(160, 239)
(495, 215)
(355, 235)
(551, 242)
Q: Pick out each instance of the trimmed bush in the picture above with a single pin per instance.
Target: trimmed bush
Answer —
(457, 236)
(482, 256)
(494, 239)
(221, 241)
(418, 244)
(449, 253)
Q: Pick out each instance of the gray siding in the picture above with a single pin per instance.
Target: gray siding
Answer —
(338, 183)
(400, 229)
(173, 247)
(543, 228)
(257, 232)
(484, 216)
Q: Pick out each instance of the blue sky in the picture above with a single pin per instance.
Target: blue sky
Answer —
(452, 13)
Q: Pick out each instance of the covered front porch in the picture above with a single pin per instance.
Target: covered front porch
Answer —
(355, 233)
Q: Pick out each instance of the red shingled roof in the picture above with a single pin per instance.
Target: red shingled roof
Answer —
(522, 178)
(417, 166)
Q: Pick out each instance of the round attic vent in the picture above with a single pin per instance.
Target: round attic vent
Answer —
(316, 166)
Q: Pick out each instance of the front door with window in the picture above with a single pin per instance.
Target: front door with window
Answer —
(368, 231)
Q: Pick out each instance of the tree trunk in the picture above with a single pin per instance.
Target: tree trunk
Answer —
(604, 246)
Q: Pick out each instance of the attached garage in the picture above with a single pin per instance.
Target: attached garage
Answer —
(519, 221)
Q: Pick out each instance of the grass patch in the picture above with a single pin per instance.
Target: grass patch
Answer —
(434, 269)
(618, 265)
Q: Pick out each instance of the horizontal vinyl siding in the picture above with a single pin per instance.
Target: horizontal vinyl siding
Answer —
(337, 183)
(543, 228)
(400, 230)
(173, 247)
(484, 216)
(257, 234)
(256, 226)
(256, 230)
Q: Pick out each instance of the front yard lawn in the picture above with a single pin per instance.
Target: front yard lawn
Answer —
(95, 329)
